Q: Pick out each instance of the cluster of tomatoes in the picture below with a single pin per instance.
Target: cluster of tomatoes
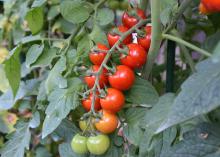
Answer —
(113, 82)
(209, 6)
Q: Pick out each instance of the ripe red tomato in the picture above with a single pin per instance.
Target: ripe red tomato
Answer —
(130, 21)
(87, 103)
(211, 5)
(136, 57)
(108, 123)
(103, 79)
(203, 9)
(145, 41)
(113, 101)
(98, 57)
(123, 78)
(113, 38)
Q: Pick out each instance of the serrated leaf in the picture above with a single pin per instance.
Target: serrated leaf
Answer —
(98, 35)
(35, 19)
(132, 130)
(200, 94)
(142, 92)
(18, 142)
(66, 130)
(46, 58)
(105, 16)
(62, 101)
(13, 69)
(55, 78)
(75, 11)
(201, 142)
(33, 53)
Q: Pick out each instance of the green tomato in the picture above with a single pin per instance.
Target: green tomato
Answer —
(83, 126)
(124, 5)
(78, 144)
(99, 144)
(114, 4)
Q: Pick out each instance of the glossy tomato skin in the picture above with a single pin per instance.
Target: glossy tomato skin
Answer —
(203, 9)
(103, 79)
(211, 5)
(113, 38)
(145, 41)
(83, 126)
(98, 57)
(87, 103)
(130, 21)
(99, 144)
(136, 57)
(108, 123)
(122, 79)
(114, 100)
(79, 144)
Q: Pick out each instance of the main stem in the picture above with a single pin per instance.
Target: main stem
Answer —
(107, 57)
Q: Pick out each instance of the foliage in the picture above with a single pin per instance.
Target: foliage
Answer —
(41, 79)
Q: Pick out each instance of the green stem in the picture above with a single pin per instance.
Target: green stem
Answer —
(185, 51)
(155, 40)
(187, 44)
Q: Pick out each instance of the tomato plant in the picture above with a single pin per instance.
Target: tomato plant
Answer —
(109, 78)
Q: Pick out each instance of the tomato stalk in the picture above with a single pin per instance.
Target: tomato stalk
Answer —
(187, 44)
(155, 40)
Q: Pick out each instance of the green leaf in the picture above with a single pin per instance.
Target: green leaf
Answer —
(132, 130)
(35, 121)
(105, 16)
(53, 12)
(142, 92)
(62, 101)
(201, 142)
(17, 143)
(216, 53)
(3, 126)
(46, 57)
(13, 69)
(98, 35)
(200, 94)
(35, 19)
(75, 11)
(42, 152)
(66, 130)
(30, 38)
(211, 42)
(55, 78)
(33, 53)
(38, 3)
(85, 45)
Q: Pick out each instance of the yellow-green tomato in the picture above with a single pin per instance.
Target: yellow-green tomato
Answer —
(79, 144)
(83, 126)
(113, 4)
(124, 5)
(99, 144)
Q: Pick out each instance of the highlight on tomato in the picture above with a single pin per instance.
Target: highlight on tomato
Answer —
(87, 103)
(97, 57)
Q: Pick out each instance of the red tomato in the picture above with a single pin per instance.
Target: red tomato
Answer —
(203, 9)
(211, 5)
(87, 103)
(136, 57)
(103, 79)
(108, 123)
(130, 21)
(123, 78)
(145, 41)
(98, 57)
(114, 100)
(113, 38)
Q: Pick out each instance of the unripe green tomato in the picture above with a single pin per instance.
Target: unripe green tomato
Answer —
(124, 5)
(83, 126)
(99, 144)
(79, 144)
(114, 4)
